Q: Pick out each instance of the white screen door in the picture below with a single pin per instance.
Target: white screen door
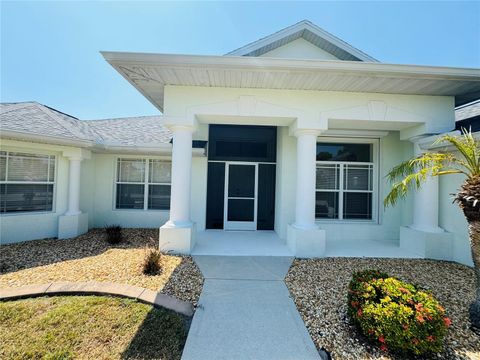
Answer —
(241, 191)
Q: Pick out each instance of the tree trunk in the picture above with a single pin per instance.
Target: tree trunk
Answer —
(474, 233)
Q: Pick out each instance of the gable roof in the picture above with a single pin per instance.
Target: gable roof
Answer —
(39, 119)
(309, 32)
(131, 131)
(37, 122)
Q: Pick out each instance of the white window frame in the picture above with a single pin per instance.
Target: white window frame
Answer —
(48, 182)
(375, 163)
(145, 182)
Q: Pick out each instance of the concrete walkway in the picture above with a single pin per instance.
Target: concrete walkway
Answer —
(245, 312)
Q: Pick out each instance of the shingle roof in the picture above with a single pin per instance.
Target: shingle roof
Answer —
(35, 118)
(467, 111)
(131, 131)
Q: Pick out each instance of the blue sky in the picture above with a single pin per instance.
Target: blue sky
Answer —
(50, 50)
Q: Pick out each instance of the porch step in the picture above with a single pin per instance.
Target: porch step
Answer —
(244, 267)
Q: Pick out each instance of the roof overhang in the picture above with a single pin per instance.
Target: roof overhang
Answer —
(157, 149)
(150, 73)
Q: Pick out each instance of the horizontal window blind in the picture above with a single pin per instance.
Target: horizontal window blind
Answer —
(344, 189)
(143, 184)
(26, 182)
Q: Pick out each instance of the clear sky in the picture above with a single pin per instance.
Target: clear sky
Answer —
(50, 50)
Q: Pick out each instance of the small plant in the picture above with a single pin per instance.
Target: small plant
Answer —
(396, 315)
(114, 234)
(152, 264)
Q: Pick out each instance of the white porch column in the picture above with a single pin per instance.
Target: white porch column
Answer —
(181, 176)
(304, 237)
(425, 208)
(424, 237)
(74, 186)
(73, 222)
(178, 234)
(306, 178)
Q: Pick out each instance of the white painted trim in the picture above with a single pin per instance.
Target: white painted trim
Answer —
(240, 225)
(269, 64)
(146, 182)
(48, 182)
(376, 181)
(28, 136)
(355, 133)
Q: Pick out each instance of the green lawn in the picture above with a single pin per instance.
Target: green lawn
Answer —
(89, 327)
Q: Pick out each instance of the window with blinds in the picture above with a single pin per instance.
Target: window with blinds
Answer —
(344, 181)
(26, 182)
(143, 184)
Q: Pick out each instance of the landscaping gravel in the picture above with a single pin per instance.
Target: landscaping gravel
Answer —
(90, 257)
(319, 289)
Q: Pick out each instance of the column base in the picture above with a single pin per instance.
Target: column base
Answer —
(177, 239)
(436, 245)
(70, 226)
(306, 243)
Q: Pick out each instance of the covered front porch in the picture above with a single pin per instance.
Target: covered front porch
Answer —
(268, 243)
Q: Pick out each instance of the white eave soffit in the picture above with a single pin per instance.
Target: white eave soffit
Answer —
(309, 32)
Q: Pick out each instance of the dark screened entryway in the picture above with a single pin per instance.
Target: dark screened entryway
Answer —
(241, 177)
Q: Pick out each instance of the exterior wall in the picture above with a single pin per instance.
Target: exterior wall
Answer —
(17, 227)
(413, 114)
(104, 212)
(300, 49)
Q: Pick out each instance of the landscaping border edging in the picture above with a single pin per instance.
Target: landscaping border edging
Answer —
(99, 288)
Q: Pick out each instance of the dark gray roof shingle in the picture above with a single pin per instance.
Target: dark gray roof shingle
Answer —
(38, 119)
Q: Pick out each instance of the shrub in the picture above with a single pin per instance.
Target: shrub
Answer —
(114, 234)
(152, 264)
(396, 315)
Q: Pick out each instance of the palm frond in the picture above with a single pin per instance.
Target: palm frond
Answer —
(411, 174)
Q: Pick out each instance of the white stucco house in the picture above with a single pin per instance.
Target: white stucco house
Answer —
(286, 140)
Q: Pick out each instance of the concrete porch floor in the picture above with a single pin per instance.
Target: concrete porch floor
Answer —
(268, 243)
(240, 243)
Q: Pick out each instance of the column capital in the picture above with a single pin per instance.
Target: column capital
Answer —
(77, 154)
(182, 128)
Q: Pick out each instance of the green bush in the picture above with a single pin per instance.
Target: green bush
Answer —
(114, 234)
(396, 315)
(152, 263)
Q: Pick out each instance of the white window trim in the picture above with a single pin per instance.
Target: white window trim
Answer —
(145, 182)
(375, 142)
(54, 182)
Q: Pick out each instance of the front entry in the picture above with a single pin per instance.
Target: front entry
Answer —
(240, 207)
(241, 177)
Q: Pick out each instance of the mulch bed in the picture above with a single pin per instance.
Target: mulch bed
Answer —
(319, 289)
(90, 257)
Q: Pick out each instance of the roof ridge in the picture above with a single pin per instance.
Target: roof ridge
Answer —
(121, 118)
(62, 122)
(16, 106)
(267, 36)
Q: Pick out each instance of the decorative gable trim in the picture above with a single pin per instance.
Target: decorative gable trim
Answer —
(311, 33)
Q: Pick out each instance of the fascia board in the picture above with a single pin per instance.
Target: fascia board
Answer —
(20, 135)
(178, 60)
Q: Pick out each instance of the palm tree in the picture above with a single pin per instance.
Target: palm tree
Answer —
(463, 159)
